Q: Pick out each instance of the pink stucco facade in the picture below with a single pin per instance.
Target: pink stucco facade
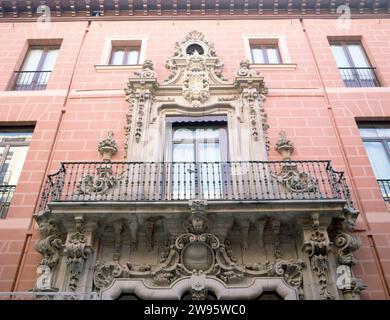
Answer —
(306, 98)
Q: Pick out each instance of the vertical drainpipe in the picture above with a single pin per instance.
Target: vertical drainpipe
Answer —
(348, 169)
(27, 240)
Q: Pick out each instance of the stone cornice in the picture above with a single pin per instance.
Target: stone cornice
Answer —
(23, 10)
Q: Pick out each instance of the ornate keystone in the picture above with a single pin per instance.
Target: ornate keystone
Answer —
(108, 147)
(284, 146)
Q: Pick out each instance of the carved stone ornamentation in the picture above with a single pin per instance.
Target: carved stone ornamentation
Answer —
(51, 244)
(197, 222)
(245, 70)
(147, 70)
(196, 86)
(317, 248)
(194, 43)
(105, 273)
(77, 251)
(346, 244)
(49, 247)
(284, 146)
(295, 181)
(100, 183)
(108, 147)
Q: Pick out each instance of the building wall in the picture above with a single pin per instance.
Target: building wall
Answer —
(307, 99)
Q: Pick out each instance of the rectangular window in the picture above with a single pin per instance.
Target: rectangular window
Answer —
(355, 68)
(36, 69)
(125, 55)
(265, 53)
(199, 153)
(376, 139)
(14, 145)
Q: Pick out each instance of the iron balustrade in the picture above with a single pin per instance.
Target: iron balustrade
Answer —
(179, 181)
(384, 185)
(30, 80)
(359, 77)
(6, 192)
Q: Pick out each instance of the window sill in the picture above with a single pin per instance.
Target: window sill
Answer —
(274, 66)
(110, 68)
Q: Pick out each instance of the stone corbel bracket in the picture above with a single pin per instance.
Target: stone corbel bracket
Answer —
(50, 247)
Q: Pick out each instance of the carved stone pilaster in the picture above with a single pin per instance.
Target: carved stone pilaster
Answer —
(77, 251)
(317, 247)
(139, 94)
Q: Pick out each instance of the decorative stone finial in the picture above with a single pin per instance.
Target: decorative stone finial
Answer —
(245, 69)
(147, 70)
(284, 146)
(108, 147)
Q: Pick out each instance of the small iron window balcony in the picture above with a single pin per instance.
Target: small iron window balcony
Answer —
(385, 188)
(359, 77)
(6, 193)
(30, 80)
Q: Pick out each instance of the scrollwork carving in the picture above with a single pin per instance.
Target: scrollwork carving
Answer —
(294, 180)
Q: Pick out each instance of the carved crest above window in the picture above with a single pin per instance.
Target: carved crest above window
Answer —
(195, 63)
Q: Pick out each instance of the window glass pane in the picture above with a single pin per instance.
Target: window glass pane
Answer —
(50, 60)
(368, 132)
(132, 56)
(183, 152)
(15, 136)
(340, 57)
(117, 56)
(209, 152)
(32, 60)
(383, 132)
(209, 134)
(182, 134)
(379, 160)
(257, 55)
(13, 165)
(273, 56)
(358, 56)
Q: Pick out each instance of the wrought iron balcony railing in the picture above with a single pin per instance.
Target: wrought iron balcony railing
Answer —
(359, 77)
(30, 80)
(384, 184)
(6, 192)
(178, 181)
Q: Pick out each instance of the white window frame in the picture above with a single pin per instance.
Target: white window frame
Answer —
(110, 43)
(278, 40)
